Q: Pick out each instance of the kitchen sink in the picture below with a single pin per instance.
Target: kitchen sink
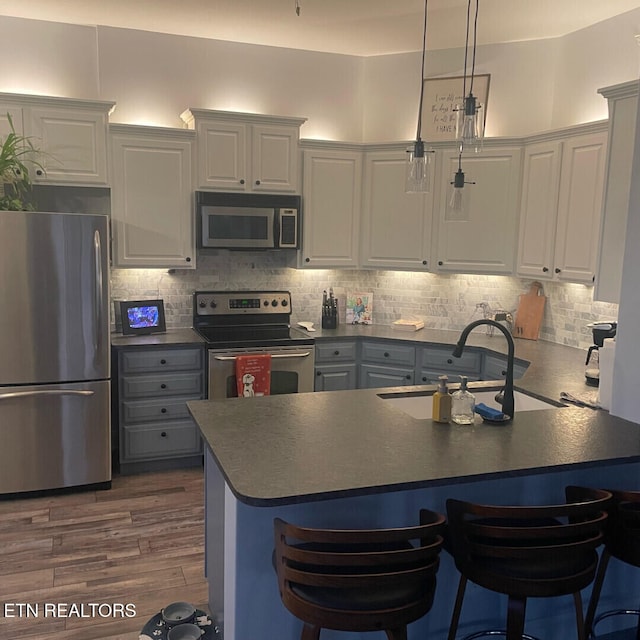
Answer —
(418, 404)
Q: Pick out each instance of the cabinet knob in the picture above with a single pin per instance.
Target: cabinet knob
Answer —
(504, 373)
(39, 172)
(336, 353)
(242, 181)
(318, 373)
(386, 354)
(257, 181)
(545, 269)
(163, 410)
(307, 259)
(440, 263)
(449, 361)
(163, 361)
(557, 270)
(424, 378)
(188, 259)
(424, 262)
(163, 386)
(593, 278)
(18, 172)
(163, 434)
(408, 376)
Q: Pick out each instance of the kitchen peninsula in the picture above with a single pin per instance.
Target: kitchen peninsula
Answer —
(349, 459)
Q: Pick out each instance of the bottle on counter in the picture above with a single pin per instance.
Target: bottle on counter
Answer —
(442, 402)
(463, 404)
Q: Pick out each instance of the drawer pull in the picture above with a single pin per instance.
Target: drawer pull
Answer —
(386, 354)
(408, 376)
(424, 378)
(449, 361)
(163, 361)
(336, 353)
(163, 386)
(163, 434)
(163, 410)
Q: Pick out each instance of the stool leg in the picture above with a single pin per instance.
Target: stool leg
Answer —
(577, 600)
(397, 634)
(515, 617)
(455, 616)
(310, 632)
(595, 593)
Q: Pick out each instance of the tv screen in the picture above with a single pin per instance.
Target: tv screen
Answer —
(142, 316)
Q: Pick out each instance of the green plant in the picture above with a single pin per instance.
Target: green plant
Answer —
(17, 155)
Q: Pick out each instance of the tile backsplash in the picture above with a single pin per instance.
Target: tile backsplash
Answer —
(442, 301)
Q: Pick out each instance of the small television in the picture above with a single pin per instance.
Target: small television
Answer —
(139, 317)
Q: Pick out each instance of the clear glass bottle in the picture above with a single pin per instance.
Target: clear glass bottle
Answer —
(463, 404)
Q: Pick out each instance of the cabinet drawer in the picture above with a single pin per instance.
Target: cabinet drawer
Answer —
(335, 351)
(135, 411)
(169, 384)
(170, 440)
(387, 353)
(430, 376)
(156, 360)
(375, 376)
(437, 359)
(495, 368)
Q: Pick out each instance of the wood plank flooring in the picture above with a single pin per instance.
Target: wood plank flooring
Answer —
(140, 543)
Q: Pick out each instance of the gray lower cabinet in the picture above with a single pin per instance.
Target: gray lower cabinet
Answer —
(437, 361)
(386, 364)
(336, 366)
(495, 367)
(155, 429)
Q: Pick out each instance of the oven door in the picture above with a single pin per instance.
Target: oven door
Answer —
(237, 227)
(292, 370)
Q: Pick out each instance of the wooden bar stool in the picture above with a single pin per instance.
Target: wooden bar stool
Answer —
(358, 580)
(527, 552)
(622, 541)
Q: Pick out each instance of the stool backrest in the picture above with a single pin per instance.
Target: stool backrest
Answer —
(361, 559)
(529, 543)
(622, 533)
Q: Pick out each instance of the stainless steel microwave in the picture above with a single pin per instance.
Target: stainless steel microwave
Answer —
(247, 221)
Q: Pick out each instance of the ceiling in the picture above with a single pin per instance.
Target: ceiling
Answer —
(355, 27)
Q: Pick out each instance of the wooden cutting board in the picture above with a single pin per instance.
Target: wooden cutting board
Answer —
(529, 314)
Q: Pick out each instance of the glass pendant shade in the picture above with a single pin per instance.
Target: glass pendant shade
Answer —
(470, 124)
(458, 199)
(418, 175)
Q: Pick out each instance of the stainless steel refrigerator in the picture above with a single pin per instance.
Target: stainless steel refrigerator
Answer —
(54, 351)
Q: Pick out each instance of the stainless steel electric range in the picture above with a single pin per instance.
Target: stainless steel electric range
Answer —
(237, 323)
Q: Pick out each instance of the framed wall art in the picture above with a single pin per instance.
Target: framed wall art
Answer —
(441, 98)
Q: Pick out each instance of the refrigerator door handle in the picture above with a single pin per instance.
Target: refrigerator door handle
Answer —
(45, 392)
(97, 250)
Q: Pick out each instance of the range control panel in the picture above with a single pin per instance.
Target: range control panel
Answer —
(224, 303)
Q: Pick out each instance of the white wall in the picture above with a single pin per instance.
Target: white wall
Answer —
(153, 77)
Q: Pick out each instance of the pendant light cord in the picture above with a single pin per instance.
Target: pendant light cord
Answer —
(424, 49)
(466, 47)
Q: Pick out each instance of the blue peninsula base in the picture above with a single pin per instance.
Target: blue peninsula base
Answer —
(243, 591)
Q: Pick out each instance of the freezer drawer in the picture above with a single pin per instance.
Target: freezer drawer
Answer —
(54, 436)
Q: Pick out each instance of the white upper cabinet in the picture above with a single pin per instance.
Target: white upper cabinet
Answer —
(331, 207)
(483, 240)
(561, 205)
(72, 134)
(623, 108)
(396, 226)
(245, 152)
(151, 197)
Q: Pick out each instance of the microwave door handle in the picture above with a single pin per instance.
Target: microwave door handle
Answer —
(276, 228)
(306, 354)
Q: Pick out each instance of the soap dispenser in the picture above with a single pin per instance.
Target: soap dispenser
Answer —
(463, 404)
(441, 402)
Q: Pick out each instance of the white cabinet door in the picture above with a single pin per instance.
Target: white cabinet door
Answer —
(331, 203)
(539, 209)
(222, 156)
(485, 240)
(151, 197)
(396, 226)
(274, 159)
(580, 207)
(74, 142)
(245, 151)
(623, 109)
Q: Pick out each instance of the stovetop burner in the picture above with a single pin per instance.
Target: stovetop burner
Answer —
(235, 319)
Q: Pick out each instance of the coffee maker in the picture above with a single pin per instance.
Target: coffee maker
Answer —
(600, 330)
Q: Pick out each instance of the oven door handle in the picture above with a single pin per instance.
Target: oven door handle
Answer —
(306, 354)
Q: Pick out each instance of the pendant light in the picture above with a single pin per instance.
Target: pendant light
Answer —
(418, 176)
(470, 115)
(458, 202)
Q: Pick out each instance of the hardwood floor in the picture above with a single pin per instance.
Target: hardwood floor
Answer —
(140, 543)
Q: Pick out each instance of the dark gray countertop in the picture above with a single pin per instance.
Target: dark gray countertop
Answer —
(169, 337)
(316, 446)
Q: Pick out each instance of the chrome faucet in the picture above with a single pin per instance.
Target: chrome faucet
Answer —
(507, 398)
